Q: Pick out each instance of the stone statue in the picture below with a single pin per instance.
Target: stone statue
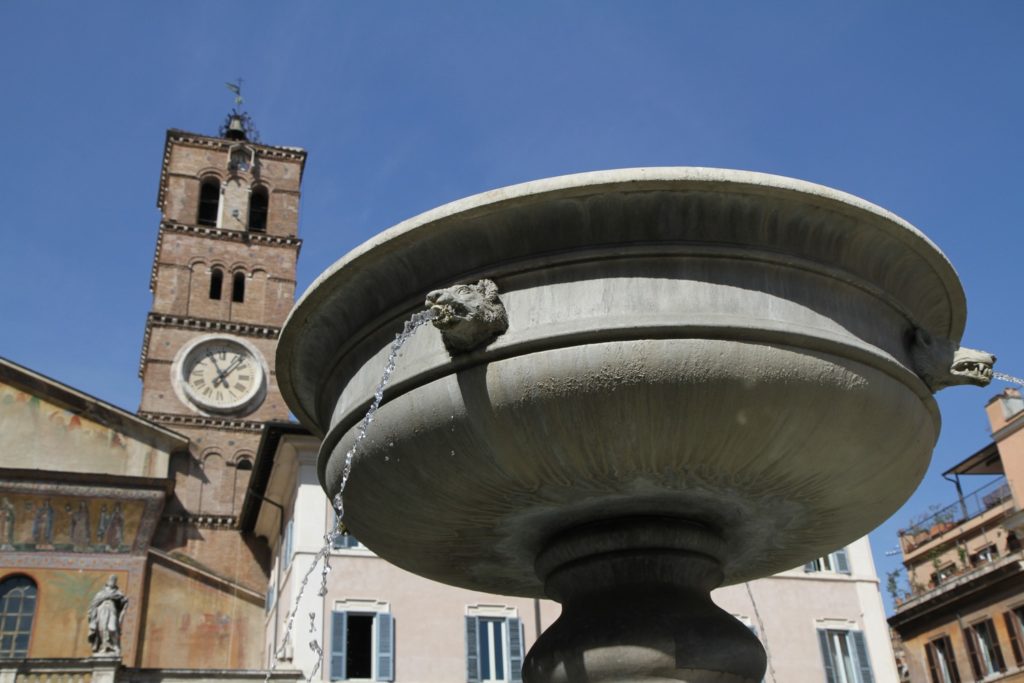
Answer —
(106, 614)
(468, 315)
(941, 363)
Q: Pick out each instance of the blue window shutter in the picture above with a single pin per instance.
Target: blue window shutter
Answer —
(338, 640)
(842, 563)
(286, 546)
(472, 652)
(385, 647)
(860, 649)
(515, 650)
(826, 656)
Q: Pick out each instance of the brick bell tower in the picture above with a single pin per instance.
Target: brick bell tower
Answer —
(223, 282)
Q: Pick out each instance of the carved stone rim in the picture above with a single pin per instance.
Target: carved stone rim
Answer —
(313, 328)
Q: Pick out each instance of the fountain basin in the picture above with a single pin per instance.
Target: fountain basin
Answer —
(721, 348)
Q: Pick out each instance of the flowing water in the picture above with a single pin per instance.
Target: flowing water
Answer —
(323, 557)
(1008, 378)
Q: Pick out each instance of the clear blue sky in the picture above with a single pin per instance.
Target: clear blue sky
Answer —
(403, 106)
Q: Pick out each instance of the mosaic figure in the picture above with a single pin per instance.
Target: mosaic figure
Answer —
(42, 525)
(6, 524)
(80, 527)
(114, 532)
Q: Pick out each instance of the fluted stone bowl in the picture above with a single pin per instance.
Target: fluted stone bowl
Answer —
(728, 348)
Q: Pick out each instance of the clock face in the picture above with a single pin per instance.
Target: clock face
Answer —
(222, 375)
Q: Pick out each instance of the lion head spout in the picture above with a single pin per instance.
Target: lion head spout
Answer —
(468, 315)
(941, 363)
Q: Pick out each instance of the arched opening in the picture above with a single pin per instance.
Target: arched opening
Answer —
(209, 201)
(259, 203)
(238, 288)
(216, 282)
(244, 464)
(18, 608)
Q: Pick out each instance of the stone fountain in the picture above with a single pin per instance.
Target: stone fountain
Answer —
(647, 383)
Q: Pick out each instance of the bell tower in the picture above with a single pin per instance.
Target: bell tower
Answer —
(223, 282)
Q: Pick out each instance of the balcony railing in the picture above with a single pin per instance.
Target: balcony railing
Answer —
(934, 523)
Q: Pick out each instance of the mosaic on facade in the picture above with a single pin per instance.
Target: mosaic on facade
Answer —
(30, 522)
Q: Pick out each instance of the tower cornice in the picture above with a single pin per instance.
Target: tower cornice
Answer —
(185, 322)
(219, 423)
(243, 236)
(181, 137)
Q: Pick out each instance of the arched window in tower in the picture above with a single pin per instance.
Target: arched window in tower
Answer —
(17, 608)
(238, 288)
(259, 203)
(209, 201)
(216, 282)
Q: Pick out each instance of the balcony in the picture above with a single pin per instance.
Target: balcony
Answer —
(971, 512)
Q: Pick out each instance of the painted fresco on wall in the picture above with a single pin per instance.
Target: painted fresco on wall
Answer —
(217, 628)
(53, 438)
(65, 523)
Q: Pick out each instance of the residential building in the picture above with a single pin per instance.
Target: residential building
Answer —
(963, 618)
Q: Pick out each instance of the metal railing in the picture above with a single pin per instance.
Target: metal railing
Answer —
(934, 522)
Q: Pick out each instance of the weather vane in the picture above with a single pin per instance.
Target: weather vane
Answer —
(237, 89)
(237, 113)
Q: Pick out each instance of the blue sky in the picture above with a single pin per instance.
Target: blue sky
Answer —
(403, 106)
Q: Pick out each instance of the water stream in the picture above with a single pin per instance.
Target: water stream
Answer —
(323, 556)
(1007, 378)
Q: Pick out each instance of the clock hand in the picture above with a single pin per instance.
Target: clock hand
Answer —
(220, 373)
(234, 364)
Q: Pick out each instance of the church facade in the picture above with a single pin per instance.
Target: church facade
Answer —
(92, 496)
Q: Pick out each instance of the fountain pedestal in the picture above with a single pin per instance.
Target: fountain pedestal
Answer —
(673, 379)
(636, 607)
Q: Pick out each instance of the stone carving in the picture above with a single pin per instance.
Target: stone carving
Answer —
(106, 614)
(468, 315)
(940, 363)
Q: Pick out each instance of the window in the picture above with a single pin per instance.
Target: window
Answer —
(343, 540)
(209, 202)
(286, 545)
(271, 596)
(17, 607)
(244, 464)
(833, 562)
(845, 655)
(362, 646)
(942, 661)
(259, 202)
(983, 649)
(1015, 630)
(238, 288)
(984, 556)
(494, 649)
(216, 283)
